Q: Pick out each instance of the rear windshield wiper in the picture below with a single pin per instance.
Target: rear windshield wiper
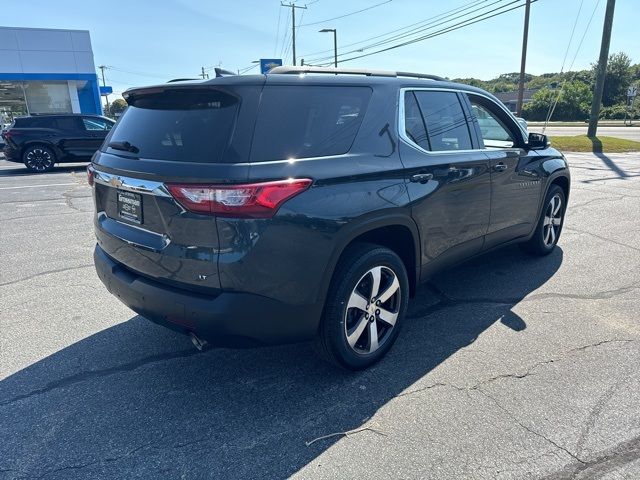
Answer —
(126, 146)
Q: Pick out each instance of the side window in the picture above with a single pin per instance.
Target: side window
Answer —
(445, 120)
(494, 133)
(310, 121)
(66, 123)
(413, 122)
(95, 124)
(39, 122)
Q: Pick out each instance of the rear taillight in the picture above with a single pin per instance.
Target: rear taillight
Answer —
(90, 175)
(8, 135)
(255, 200)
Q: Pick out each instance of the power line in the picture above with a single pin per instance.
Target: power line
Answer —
(584, 34)
(573, 30)
(345, 15)
(552, 104)
(246, 69)
(285, 37)
(435, 22)
(293, 7)
(450, 28)
(407, 27)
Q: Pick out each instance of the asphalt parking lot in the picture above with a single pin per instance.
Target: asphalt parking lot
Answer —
(508, 367)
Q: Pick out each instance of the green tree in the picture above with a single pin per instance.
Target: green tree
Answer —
(618, 79)
(573, 102)
(115, 108)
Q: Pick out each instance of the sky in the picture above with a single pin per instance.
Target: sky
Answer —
(150, 41)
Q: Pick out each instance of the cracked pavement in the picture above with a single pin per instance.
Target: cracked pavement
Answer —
(508, 367)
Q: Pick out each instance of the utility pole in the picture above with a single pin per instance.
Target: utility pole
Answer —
(106, 97)
(523, 60)
(335, 44)
(203, 74)
(293, 25)
(602, 69)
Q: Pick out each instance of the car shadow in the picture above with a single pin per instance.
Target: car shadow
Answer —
(136, 400)
(19, 170)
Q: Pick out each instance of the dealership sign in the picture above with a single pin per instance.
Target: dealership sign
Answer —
(267, 64)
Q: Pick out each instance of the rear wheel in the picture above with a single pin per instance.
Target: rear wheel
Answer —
(39, 159)
(365, 307)
(549, 227)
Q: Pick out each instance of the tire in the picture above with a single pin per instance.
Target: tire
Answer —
(346, 329)
(39, 159)
(549, 227)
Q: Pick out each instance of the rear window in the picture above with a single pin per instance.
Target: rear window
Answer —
(178, 125)
(302, 122)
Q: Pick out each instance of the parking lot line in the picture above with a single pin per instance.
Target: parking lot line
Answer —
(35, 186)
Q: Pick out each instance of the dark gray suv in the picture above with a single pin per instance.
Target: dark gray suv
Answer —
(308, 203)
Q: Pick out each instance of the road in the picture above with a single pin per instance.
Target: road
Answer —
(630, 133)
(508, 367)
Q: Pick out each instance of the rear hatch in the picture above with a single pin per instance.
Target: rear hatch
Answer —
(174, 134)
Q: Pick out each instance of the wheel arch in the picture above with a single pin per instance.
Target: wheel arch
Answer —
(563, 182)
(560, 177)
(396, 232)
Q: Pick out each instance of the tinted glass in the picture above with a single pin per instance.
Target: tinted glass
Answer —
(179, 125)
(66, 123)
(96, 124)
(413, 123)
(36, 122)
(494, 133)
(301, 122)
(447, 127)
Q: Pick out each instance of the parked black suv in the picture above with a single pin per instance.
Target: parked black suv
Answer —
(306, 204)
(41, 141)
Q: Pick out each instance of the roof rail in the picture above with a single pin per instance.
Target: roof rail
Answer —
(351, 71)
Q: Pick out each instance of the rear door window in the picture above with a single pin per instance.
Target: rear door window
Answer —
(414, 123)
(94, 124)
(181, 125)
(66, 123)
(303, 122)
(445, 120)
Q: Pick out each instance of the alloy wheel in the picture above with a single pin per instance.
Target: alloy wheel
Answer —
(552, 221)
(39, 159)
(372, 310)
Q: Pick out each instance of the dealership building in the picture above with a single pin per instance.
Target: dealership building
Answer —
(46, 71)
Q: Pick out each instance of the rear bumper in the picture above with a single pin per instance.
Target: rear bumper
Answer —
(227, 319)
(11, 154)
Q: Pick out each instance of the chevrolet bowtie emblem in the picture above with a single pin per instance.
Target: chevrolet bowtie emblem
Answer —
(115, 182)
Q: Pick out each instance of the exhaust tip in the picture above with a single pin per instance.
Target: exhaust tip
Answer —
(199, 343)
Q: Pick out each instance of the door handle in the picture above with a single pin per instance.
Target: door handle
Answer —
(421, 177)
(500, 167)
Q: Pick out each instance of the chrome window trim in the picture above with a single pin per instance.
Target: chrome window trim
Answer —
(131, 184)
(401, 118)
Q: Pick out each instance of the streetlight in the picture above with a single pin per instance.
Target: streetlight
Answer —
(335, 44)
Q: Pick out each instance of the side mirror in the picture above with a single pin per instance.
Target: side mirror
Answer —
(538, 141)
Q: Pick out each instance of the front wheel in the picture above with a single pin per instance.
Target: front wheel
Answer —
(549, 226)
(365, 307)
(39, 159)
